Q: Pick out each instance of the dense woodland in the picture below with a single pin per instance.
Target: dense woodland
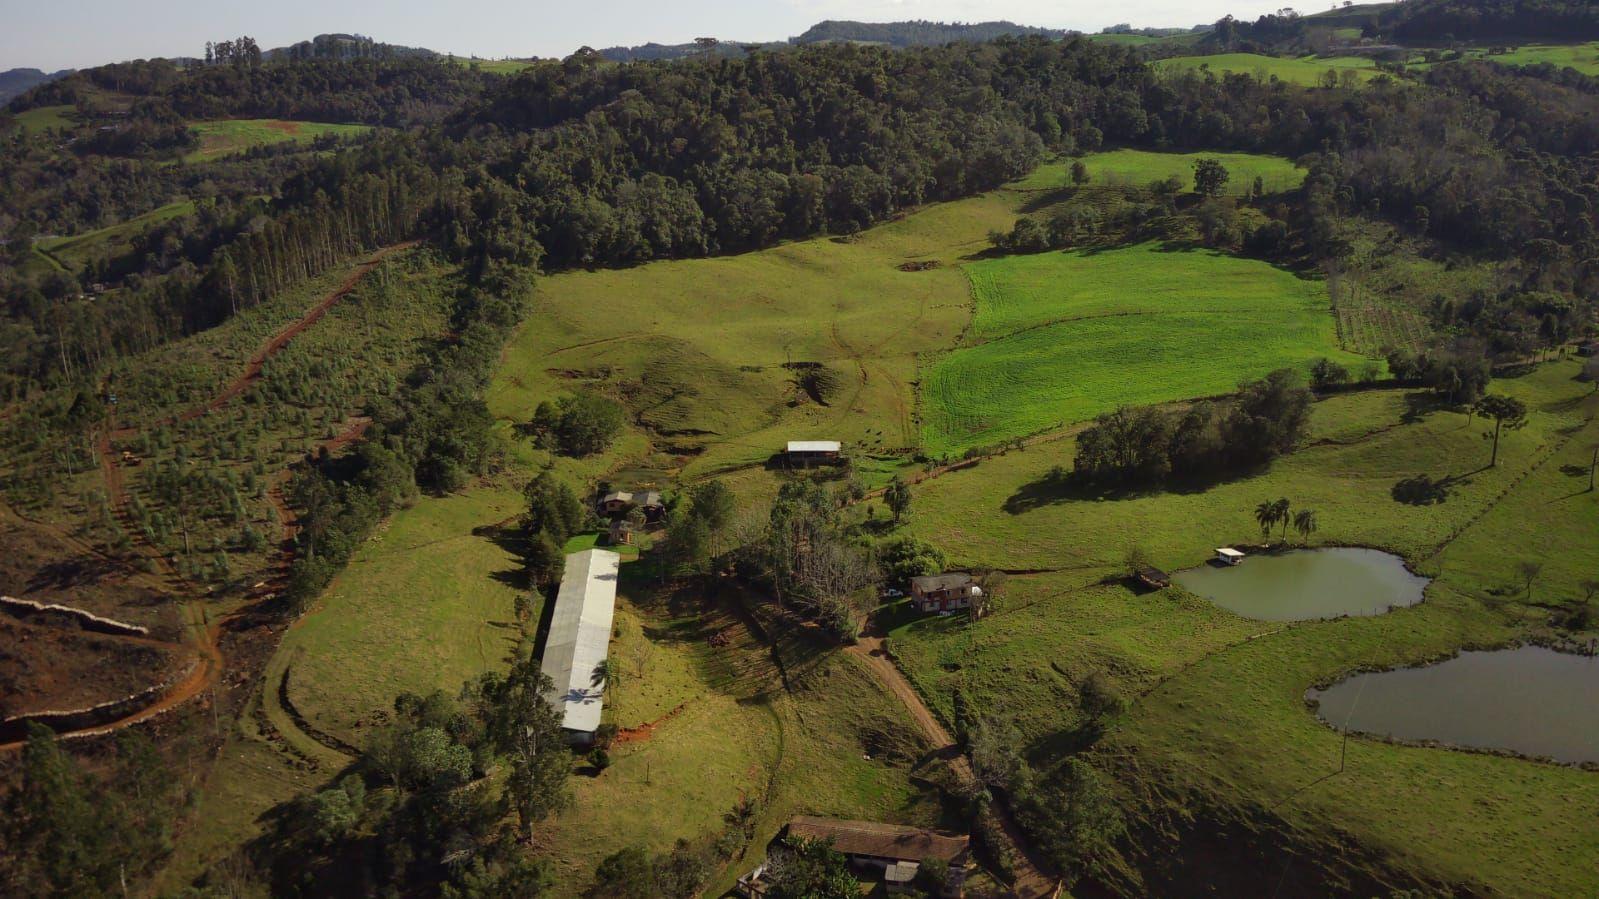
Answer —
(578, 163)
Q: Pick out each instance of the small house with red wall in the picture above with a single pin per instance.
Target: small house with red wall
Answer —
(944, 592)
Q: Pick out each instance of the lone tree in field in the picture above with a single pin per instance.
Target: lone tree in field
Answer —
(1529, 571)
(1266, 517)
(1210, 177)
(1079, 173)
(897, 496)
(1305, 524)
(1508, 414)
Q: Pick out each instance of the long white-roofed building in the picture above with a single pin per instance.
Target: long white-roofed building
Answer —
(579, 640)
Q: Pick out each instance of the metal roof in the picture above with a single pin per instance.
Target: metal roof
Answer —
(941, 581)
(580, 637)
(1229, 552)
(814, 446)
(874, 840)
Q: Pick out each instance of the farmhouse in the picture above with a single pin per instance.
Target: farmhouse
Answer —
(579, 640)
(807, 452)
(944, 592)
(889, 850)
(647, 501)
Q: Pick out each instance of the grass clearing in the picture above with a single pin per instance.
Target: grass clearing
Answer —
(79, 250)
(225, 137)
(1138, 168)
(1062, 337)
(41, 117)
(1307, 70)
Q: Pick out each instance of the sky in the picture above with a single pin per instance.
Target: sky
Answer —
(57, 34)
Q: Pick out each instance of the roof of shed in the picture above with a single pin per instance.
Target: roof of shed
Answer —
(875, 840)
(814, 446)
(580, 636)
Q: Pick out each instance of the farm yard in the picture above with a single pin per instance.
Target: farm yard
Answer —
(229, 136)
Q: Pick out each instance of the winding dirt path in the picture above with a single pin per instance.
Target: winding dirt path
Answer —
(1031, 880)
(204, 634)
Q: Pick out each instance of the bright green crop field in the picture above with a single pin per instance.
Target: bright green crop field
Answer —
(1138, 168)
(228, 136)
(1306, 70)
(1062, 337)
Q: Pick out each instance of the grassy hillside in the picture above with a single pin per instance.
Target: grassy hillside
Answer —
(226, 137)
(1138, 168)
(1219, 724)
(1062, 337)
(1306, 70)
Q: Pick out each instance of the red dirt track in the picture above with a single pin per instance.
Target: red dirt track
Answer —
(204, 646)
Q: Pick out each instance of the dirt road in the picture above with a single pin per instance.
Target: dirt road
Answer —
(1031, 881)
(204, 633)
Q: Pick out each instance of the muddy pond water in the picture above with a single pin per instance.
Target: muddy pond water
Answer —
(1308, 583)
(1530, 700)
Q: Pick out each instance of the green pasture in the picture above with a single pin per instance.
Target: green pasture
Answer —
(496, 66)
(1582, 57)
(106, 243)
(696, 348)
(41, 117)
(1060, 337)
(225, 137)
(1139, 168)
(1307, 70)
(424, 605)
(1219, 721)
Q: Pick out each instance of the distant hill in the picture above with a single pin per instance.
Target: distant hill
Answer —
(893, 34)
(1435, 21)
(917, 33)
(16, 81)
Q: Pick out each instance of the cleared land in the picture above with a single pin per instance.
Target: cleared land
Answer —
(1307, 70)
(42, 117)
(1220, 722)
(1138, 168)
(228, 136)
(107, 243)
(1061, 337)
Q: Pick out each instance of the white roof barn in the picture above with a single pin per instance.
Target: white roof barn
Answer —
(814, 446)
(580, 636)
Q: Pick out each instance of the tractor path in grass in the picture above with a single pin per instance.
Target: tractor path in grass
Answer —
(1031, 881)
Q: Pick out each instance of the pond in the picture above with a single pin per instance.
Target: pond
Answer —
(1308, 583)
(1530, 700)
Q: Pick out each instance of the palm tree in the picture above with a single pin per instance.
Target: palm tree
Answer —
(1305, 523)
(1280, 512)
(1266, 517)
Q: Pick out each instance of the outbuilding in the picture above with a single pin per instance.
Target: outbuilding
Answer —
(1228, 556)
(810, 452)
(580, 639)
(649, 502)
(890, 851)
(1153, 577)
